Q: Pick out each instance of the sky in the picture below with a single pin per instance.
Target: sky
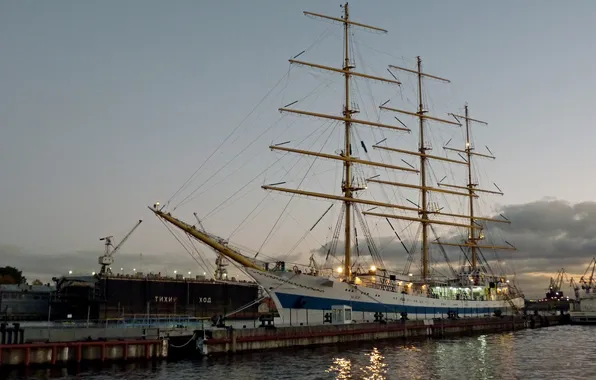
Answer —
(107, 107)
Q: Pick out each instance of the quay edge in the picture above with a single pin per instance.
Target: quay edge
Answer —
(225, 341)
(54, 353)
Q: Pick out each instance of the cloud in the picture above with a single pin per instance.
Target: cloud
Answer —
(549, 234)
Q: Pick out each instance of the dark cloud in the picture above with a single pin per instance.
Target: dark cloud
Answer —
(549, 234)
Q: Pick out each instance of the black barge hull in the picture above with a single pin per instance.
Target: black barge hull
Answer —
(113, 297)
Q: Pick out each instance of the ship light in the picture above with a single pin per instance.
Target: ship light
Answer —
(69, 272)
(373, 268)
(156, 205)
(410, 274)
(93, 273)
(339, 270)
(358, 281)
(507, 281)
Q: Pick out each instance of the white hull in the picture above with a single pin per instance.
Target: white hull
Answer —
(579, 317)
(585, 312)
(302, 298)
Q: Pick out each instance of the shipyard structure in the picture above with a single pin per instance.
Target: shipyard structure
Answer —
(25, 302)
(108, 296)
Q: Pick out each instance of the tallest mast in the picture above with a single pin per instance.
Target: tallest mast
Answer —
(423, 189)
(347, 183)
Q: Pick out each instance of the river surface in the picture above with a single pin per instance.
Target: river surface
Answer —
(560, 352)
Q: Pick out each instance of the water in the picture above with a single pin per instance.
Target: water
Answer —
(561, 352)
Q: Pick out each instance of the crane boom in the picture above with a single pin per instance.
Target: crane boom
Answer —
(106, 259)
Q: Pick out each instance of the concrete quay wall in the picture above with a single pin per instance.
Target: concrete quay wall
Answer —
(222, 341)
(62, 352)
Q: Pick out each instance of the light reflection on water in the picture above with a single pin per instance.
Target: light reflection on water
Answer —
(563, 352)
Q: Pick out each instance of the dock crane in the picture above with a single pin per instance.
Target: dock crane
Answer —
(107, 258)
(587, 284)
(574, 285)
(554, 289)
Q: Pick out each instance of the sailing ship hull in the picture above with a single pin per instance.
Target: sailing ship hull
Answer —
(302, 297)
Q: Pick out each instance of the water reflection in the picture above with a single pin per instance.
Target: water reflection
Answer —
(342, 368)
(375, 370)
(529, 354)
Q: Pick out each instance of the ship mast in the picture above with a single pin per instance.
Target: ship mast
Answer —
(347, 185)
(472, 233)
(423, 190)
(422, 154)
(473, 238)
(348, 196)
(423, 211)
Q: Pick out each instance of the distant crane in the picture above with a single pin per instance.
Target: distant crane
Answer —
(554, 289)
(588, 283)
(107, 258)
(575, 288)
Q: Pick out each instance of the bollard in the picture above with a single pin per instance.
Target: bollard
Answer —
(2, 333)
(21, 335)
(15, 332)
(8, 336)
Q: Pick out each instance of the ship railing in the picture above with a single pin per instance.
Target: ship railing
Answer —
(163, 321)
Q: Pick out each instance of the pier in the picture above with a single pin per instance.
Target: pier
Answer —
(53, 346)
(231, 341)
(63, 352)
(48, 346)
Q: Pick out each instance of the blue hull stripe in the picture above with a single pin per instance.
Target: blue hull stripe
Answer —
(292, 301)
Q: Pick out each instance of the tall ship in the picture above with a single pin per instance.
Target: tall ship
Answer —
(113, 295)
(365, 283)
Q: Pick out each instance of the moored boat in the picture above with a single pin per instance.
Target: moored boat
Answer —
(370, 289)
